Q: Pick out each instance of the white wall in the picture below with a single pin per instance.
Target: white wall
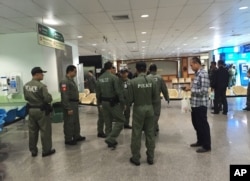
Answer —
(19, 53)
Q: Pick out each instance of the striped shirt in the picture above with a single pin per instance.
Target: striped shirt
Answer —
(199, 89)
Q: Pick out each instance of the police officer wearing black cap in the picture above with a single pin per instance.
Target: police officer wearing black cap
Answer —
(38, 98)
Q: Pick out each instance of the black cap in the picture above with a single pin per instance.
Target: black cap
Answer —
(124, 70)
(36, 70)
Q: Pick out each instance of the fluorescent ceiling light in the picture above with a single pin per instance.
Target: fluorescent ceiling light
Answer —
(79, 36)
(184, 44)
(195, 38)
(51, 21)
(144, 32)
(94, 44)
(143, 41)
(243, 7)
(212, 27)
(144, 16)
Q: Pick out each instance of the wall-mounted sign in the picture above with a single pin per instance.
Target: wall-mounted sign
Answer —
(246, 48)
(50, 37)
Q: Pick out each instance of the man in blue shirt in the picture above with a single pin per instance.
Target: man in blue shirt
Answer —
(199, 103)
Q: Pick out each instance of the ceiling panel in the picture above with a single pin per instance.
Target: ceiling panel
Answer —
(97, 18)
(164, 3)
(86, 6)
(56, 7)
(73, 19)
(189, 11)
(10, 13)
(168, 13)
(143, 4)
(115, 5)
(26, 7)
(137, 14)
(105, 28)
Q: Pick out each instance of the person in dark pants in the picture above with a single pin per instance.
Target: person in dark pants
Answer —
(219, 84)
(247, 108)
(199, 103)
(37, 95)
(70, 100)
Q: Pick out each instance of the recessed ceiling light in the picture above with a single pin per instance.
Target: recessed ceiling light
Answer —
(212, 27)
(195, 38)
(94, 44)
(184, 44)
(144, 32)
(144, 16)
(142, 47)
(243, 7)
(143, 41)
(79, 36)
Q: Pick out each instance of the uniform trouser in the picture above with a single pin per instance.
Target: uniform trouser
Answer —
(71, 123)
(157, 112)
(127, 114)
(110, 114)
(248, 96)
(201, 126)
(143, 119)
(100, 121)
(38, 121)
(220, 96)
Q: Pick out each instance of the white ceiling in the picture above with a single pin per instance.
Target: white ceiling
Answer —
(171, 25)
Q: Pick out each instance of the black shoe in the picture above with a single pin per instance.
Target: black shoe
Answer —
(202, 150)
(52, 151)
(195, 145)
(34, 154)
(150, 161)
(214, 112)
(127, 127)
(81, 138)
(101, 135)
(246, 109)
(137, 163)
(111, 145)
(225, 113)
(72, 142)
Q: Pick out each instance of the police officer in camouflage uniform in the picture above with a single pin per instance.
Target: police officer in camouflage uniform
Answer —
(142, 92)
(160, 87)
(37, 96)
(70, 100)
(110, 96)
(125, 83)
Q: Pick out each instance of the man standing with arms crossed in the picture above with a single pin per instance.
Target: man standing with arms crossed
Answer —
(199, 103)
(70, 101)
(110, 96)
(142, 92)
(160, 87)
(38, 98)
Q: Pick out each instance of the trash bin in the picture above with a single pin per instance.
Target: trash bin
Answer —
(57, 114)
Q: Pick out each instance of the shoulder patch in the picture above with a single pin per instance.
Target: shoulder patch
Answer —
(63, 87)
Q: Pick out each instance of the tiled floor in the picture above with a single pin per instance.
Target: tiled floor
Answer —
(93, 161)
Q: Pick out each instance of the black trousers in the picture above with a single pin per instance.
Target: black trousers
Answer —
(220, 97)
(201, 126)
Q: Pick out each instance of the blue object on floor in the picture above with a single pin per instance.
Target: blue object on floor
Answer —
(2, 113)
(21, 113)
(11, 115)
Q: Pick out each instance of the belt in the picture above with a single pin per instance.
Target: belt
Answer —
(107, 99)
(74, 100)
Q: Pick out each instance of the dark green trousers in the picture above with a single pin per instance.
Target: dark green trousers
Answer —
(38, 121)
(100, 121)
(127, 114)
(143, 119)
(157, 112)
(111, 114)
(71, 123)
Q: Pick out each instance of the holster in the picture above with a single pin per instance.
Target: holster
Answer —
(47, 108)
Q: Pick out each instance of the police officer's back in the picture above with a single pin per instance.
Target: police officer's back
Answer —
(142, 92)
(38, 98)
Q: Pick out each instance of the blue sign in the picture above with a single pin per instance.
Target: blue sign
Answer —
(246, 48)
